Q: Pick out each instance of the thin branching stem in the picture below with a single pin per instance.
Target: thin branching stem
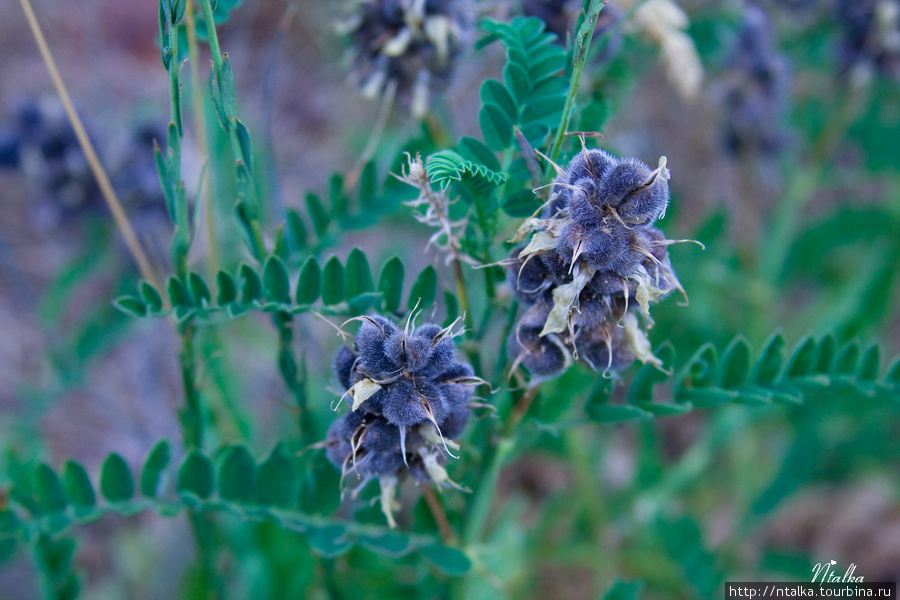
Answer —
(579, 57)
(292, 373)
(192, 413)
(109, 194)
(200, 127)
(439, 514)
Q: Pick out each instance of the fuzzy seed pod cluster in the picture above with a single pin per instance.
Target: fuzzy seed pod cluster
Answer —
(593, 260)
(42, 144)
(410, 397)
(871, 34)
(409, 46)
(756, 101)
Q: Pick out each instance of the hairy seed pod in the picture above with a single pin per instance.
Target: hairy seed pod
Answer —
(410, 399)
(594, 259)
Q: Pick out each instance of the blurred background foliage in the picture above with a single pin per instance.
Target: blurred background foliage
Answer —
(768, 444)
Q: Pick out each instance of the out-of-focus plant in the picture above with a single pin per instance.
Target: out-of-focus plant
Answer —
(582, 234)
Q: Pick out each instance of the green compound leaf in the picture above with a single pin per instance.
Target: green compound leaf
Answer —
(237, 476)
(151, 297)
(390, 284)
(78, 485)
(494, 92)
(734, 368)
(521, 204)
(116, 483)
(613, 413)
(495, 126)
(227, 288)
(827, 351)
(641, 391)
(318, 214)
(251, 285)
(388, 543)
(296, 229)
(357, 274)
(424, 289)
(892, 378)
(475, 151)
(547, 110)
(244, 143)
(178, 292)
(276, 283)
(803, 360)
(447, 166)
(869, 365)
(199, 290)
(368, 185)
(330, 541)
(310, 282)
(49, 490)
(449, 560)
(276, 481)
(768, 365)
(333, 282)
(701, 368)
(847, 359)
(195, 476)
(151, 473)
(131, 306)
(517, 82)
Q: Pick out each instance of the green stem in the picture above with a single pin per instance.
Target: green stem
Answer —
(206, 533)
(484, 495)
(192, 413)
(462, 293)
(200, 126)
(487, 485)
(291, 374)
(582, 45)
(246, 192)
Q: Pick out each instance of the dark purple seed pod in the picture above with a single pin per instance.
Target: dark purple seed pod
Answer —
(530, 279)
(584, 206)
(343, 364)
(604, 247)
(428, 330)
(337, 448)
(402, 406)
(543, 356)
(417, 469)
(591, 164)
(443, 356)
(351, 423)
(416, 353)
(455, 371)
(456, 422)
(381, 436)
(625, 178)
(379, 464)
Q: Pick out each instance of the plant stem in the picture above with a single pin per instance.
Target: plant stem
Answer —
(291, 374)
(205, 537)
(484, 495)
(579, 57)
(109, 195)
(246, 194)
(192, 413)
(462, 293)
(200, 126)
(439, 514)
